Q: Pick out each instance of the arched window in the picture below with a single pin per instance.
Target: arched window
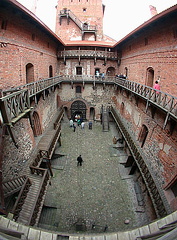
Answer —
(50, 71)
(29, 73)
(36, 124)
(150, 77)
(110, 71)
(143, 135)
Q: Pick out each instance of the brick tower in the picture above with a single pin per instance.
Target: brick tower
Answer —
(80, 20)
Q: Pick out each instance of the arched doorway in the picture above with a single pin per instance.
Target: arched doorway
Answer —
(110, 71)
(143, 135)
(92, 113)
(78, 108)
(36, 124)
(150, 77)
(50, 71)
(29, 73)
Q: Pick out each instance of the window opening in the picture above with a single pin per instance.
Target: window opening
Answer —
(78, 70)
(78, 89)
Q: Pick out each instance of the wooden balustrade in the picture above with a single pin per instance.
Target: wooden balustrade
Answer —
(21, 198)
(88, 54)
(13, 185)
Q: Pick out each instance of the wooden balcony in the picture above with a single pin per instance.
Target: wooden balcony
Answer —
(92, 54)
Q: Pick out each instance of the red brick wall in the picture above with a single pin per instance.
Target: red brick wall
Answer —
(92, 16)
(160, 54)
(21, 49)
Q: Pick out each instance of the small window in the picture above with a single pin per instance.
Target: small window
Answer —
(4, 24)
(48, 45)
(33, 37)
(146, 41)
(78, 70)
(78, 89)
(84, 9)
(175, 32)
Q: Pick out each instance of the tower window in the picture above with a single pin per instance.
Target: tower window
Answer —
(175, 32)
(146, 41)
(33, 37)
(4, 24)
(84, 9)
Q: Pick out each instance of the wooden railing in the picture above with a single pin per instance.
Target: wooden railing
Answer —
(14, 185)
(48, 153)
(87, 54)
(165, 101)
(40, 195)
(15, 103)
(21, 198)
(58, 120)
(159, 201)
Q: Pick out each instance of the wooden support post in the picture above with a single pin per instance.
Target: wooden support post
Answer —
(48, 162)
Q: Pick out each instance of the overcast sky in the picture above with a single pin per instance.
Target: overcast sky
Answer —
(121, 16)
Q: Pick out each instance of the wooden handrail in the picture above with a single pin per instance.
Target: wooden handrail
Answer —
(21, 198)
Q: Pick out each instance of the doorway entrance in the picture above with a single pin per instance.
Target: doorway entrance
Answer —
(78, 108)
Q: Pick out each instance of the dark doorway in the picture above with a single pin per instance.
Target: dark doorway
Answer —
(143, 135)
(150, 77)
(29, 73)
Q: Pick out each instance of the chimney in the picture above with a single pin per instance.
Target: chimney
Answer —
(153, 10)
(34, 6)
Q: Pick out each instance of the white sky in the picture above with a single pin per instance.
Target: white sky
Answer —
(121, 16)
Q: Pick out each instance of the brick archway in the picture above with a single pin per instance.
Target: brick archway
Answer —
(36, 124)
(78, 108)
(150, 77)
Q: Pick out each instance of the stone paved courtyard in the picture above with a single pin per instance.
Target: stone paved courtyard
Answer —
(99, 193)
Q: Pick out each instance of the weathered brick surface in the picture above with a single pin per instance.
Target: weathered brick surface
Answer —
(159, 53)
(21, 49)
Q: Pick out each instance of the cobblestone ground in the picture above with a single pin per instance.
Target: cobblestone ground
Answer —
(94, 193)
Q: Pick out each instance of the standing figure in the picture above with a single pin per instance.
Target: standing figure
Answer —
(70, 122)
(157, 86)
(82, 125)
(79, 161)
(74, 128)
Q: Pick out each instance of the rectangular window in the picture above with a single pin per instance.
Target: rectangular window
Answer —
(4, 24)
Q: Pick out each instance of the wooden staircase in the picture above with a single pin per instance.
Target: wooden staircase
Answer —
(29, 204)
(27, 207)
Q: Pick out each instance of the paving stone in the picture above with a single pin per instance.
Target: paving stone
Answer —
(95, 191)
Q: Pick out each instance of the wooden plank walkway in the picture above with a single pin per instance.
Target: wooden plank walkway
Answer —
(32, 233)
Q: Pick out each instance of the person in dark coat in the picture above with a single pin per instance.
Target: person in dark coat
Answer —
(79, 161)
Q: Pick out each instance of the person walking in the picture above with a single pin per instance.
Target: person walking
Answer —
(157, 86)
(71, 122)
(82, 125)
(79, 161)
(74, 128)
